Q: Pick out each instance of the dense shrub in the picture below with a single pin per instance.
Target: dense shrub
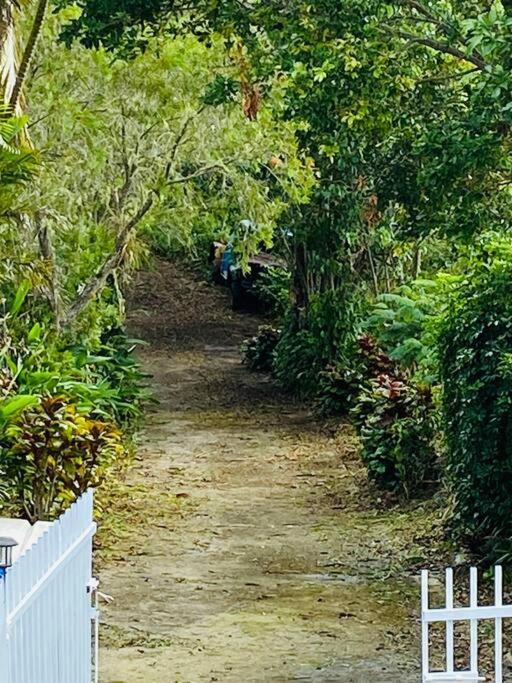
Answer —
(258, 351)
(297, 365)
(341, 383)
(273, 290)
(396, 420)
(118, 387)
(53, 453)
(62, 407)
(475, 346)
(322, 340)
(397, 428)
(338, 386)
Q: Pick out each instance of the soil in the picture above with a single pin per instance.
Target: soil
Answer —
(245, 543)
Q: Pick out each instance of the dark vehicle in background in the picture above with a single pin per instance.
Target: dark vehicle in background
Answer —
(242, 283)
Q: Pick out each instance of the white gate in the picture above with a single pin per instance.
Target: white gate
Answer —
(45, 604)
(472, 614)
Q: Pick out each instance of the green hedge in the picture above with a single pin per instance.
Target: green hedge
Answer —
(475, 347)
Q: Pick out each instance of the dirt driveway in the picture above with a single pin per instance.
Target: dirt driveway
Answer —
(242, 546)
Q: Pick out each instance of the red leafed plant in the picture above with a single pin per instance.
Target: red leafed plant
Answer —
(53, 453)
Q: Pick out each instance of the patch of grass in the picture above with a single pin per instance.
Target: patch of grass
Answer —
(117, 637)
(129, 513)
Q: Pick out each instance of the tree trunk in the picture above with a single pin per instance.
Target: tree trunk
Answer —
(97, 282)
(7, 50)
(299, 285)
(28, 54)
(53, 287)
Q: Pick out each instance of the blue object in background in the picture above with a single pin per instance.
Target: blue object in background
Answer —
(226, 262)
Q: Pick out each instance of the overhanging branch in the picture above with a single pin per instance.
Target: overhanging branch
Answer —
(438, 46)
(98, 281)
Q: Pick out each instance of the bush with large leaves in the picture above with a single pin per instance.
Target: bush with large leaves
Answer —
(52, 453)
(397, 428)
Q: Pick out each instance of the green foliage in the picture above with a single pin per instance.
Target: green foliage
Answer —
(117, 388)
(60, 420)
(341, 383)
(311, 344)
(12, 407)
(401, 321)
(53, 453)
(18, 163)
(147, 130)
(273, 290)
(297, 365)
(397, 429)
(339, 386)
(259, 351)
(475, 343)
(221, 90)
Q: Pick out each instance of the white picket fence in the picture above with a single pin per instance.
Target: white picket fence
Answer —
(45, 604)
(473, 613)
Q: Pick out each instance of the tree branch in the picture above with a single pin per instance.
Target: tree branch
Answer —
(119, 196)
(48, 253)
(449, 77)
(97, 282)
(429, 16)
(179, 140)
(426, 13)
(438, 46)
(196, 174)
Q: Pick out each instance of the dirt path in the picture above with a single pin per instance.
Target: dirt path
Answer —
(241, 547)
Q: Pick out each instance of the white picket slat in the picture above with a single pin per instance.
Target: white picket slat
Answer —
(498, 633)
(473, 624)
(449, 622)
(425, 659)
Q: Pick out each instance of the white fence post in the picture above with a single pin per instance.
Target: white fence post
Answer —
(4, 652)
(450, 654)
(93, 589)
(425, 655)
(473, 624)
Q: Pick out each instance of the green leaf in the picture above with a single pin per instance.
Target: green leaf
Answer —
(21, 294)
(10, 407)
(35, 333)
